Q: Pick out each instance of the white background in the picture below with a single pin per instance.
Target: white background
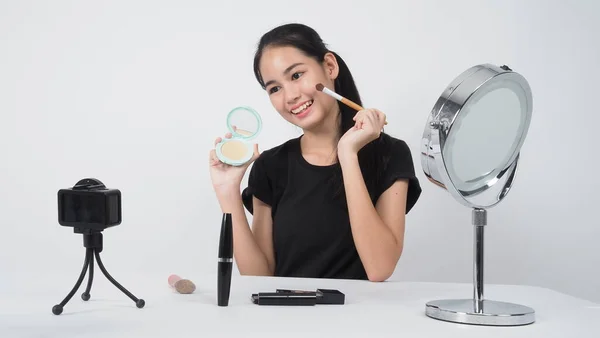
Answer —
(134, 93)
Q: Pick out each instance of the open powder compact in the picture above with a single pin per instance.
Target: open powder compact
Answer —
(245, 124)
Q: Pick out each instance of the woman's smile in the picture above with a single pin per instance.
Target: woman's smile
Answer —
(302, 109)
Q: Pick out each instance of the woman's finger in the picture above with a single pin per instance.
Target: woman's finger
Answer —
(359, 114)
(362, 122)
(359, 122)
(366, 117)
(381, 117)
(212, 157)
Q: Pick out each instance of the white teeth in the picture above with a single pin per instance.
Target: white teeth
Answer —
(302, 107)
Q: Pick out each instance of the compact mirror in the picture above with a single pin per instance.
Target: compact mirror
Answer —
(244, 124)
(471, 146)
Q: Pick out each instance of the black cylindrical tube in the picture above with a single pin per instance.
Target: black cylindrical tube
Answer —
(225, 261)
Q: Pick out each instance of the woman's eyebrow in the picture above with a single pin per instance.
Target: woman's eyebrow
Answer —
(285, 72)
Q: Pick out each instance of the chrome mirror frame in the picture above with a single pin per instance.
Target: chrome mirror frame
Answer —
(438, 130)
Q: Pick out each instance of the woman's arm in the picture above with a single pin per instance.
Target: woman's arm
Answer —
(378, 231)
(253, 249)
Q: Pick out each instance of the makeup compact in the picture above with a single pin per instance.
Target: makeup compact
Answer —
(285, 298)
(299, 297)
(245, 124)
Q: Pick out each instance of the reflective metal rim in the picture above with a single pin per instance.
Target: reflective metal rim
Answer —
(491, 313)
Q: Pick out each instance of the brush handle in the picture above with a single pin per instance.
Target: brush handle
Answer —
(351, 104)
(333, 94)
(344, 100)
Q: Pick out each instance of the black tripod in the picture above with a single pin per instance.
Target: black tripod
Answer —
(92, 240)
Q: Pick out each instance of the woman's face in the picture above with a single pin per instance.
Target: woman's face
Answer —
(290, 78)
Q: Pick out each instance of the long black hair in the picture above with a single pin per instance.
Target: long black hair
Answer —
(374, 156)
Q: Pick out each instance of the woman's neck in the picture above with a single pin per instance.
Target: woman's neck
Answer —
(319, 142)
(319, 146)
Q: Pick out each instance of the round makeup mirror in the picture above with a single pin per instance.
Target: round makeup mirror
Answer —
(244, 122)
(471, 146)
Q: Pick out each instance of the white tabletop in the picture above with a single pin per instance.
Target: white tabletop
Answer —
(389, 309)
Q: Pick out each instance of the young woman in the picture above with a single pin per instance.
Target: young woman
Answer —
(332, 202)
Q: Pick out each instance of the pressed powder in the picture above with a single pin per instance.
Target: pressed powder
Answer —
(235, 150)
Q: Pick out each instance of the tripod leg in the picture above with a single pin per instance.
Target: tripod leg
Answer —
(86, 295)
(58, 309)
(138, 302)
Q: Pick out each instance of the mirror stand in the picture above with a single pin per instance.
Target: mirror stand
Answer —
(478, 310)
(471, 147)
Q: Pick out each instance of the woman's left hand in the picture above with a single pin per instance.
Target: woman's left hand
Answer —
(367, 127)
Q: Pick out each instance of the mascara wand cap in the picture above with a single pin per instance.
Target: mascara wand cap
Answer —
(226, 239)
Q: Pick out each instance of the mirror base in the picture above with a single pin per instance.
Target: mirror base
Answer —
(491, 313)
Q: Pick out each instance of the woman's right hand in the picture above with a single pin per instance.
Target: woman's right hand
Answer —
(226, 179)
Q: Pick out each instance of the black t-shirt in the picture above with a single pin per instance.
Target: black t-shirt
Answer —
(311, 226)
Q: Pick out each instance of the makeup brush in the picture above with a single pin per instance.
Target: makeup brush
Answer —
(183, 286)
(339, 97)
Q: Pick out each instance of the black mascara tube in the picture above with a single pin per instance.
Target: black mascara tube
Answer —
(225, 262)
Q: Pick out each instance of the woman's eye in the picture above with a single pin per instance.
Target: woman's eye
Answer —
(273, 90)
(296, 76)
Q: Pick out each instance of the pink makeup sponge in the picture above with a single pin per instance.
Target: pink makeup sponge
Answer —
(183, 286)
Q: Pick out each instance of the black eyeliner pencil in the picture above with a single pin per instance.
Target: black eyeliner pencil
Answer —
(225, 261)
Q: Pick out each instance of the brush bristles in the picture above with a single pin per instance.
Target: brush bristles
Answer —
(320, 87)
